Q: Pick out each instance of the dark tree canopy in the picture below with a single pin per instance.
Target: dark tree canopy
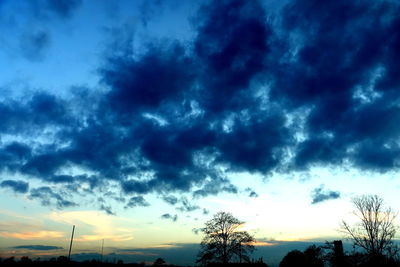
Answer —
(223, 241)
(159, 262)
(311, 257)
(293, 258)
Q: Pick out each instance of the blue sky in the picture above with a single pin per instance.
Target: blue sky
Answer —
(138, 120)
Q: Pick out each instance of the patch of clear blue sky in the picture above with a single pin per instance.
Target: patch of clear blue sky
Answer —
(76, 46)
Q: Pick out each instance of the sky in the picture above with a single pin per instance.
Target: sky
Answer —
(136, 121)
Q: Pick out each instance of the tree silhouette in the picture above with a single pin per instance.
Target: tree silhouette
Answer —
(223, 240)
(159, 262)
(376, 229)
(294, 258)
(311, 257)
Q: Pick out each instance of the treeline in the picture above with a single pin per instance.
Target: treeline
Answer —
(332, 255)
(61, 261)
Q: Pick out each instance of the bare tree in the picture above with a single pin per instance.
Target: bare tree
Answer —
(376, 229)
(223, 240)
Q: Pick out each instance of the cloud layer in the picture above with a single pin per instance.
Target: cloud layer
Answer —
(251, 93)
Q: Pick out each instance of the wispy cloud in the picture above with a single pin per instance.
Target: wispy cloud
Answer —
(40, 235)
(171, 217)
(320, 194)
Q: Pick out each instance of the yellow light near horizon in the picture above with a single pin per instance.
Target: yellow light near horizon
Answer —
(116, 238)
(40, 235)
(97, 225)
(262, 244)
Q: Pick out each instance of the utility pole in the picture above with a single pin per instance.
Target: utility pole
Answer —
(70, 245)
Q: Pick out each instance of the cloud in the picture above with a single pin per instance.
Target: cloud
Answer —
(34, 45)
(196, 231)
(107, 209)
(251, 93)
(16, 186)
(168, 216)
(320, 195)
(233, 38)
(29, 116)
(187, 206)
(149, 10)
(175, 141)
(251, 192)
(37, 247)
(26, 25)
(63, 8)
(343, 89)
(48, 197)
(44, 10)
(170, 199)
(133, 84)
(39, 235)
(137, 202)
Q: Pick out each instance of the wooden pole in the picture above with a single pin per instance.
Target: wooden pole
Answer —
(70, 245)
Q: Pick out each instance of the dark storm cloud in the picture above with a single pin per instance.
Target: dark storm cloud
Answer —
(160, 74)
(232, 43)
(316, 84)
(319, 194)
(37, 247)
(255, 145)
(153, 131)
(16, 186)
(339, 65)
(12, 155)
(33, 114)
